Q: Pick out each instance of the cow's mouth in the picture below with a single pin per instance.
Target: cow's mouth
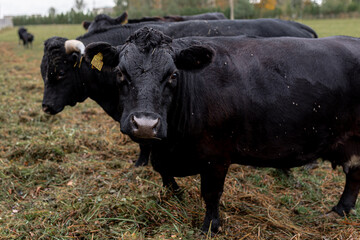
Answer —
(72, 104)
(50, 110)
(145, 140)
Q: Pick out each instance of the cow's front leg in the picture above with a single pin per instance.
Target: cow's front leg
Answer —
(212, 185)
(143, 159)
(351, 191)
(169, 182)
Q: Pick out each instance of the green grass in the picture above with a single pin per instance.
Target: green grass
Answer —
(331, 27)
(71, 176)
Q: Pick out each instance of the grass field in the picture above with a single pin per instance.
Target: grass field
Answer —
(71, 176)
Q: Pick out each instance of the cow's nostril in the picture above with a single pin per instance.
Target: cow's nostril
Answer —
(144, 127)
(156, 124)
(146, 122)
(133, 121)
(45, 108)
(49, 109)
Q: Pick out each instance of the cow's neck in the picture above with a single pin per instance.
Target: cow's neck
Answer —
(102, 90)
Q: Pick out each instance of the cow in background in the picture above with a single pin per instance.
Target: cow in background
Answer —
(21, 32)
(26, 37)
(102, 20)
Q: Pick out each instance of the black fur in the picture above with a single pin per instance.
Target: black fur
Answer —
(80, 81)
(268, 102)
(146, 40)
(26, 37)
(102, 21)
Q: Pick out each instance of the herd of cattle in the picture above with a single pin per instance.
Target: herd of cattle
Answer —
(199, 95)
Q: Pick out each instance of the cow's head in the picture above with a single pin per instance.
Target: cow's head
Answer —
(59, 69)
(102, 21)
(149, 68)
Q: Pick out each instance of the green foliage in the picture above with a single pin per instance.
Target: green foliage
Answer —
(71, 17)
(312, 8)
(332, 7)
(243, 9)
(353, 7)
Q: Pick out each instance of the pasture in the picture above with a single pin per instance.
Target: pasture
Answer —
(71, 176)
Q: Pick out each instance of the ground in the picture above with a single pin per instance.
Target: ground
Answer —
(71, 176)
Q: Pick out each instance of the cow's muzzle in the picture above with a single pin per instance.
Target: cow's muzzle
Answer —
(144, 126)
(49, 109)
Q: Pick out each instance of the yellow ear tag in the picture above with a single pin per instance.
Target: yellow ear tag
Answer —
(97, 62)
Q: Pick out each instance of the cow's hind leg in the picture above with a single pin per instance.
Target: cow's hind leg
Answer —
(351, 191)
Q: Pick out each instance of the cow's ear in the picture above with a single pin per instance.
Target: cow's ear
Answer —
(86, 24)
(103, 53)
(123, 19)
(194, 57)
(75, 57)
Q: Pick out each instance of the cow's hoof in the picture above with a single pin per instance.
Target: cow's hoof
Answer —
(212, 228)
(311, 166)
(141, 162)
(353, 212)
(332, 215)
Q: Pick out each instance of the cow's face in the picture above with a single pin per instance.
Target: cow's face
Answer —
(59, 71)
(148, 73)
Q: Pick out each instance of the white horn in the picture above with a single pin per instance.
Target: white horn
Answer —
(74, 46)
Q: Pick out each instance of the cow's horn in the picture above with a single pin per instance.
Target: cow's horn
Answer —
(74, 46)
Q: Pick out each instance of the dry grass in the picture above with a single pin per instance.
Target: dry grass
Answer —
(71, 176)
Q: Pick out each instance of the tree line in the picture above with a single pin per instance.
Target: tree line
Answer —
(289, 9)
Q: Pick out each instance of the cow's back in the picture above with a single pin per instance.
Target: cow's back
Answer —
(254, 27)
(283, 101)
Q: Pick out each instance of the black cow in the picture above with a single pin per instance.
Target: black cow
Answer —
(203, 16)
(205, 103)
(21, 31)
(30, 39)
(102, 20)
(68, 80)
(26, 37)
(174, 18)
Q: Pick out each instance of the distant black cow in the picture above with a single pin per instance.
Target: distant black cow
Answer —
(26, 37)
(30, 39)
(174, 18)
(102, 20)
(68, 80)
(205, 103)
(21, 31)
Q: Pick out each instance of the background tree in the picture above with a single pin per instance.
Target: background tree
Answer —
(121, 6)
(80, 5)
(267, 4)
(52, 12)
(243, 9)
(311, 8)
(333, 7)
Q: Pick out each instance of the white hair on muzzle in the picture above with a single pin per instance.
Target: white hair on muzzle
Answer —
(74, 46)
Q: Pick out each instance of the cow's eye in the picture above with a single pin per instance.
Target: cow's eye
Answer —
(173, 77)
(61, 74)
